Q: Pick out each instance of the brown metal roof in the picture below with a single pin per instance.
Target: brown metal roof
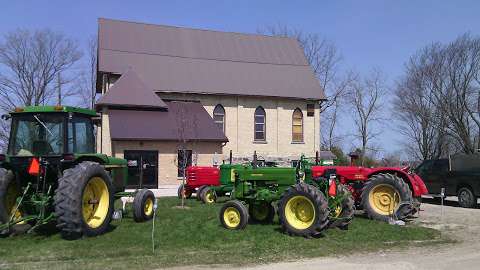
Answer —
(188, 120)
(130, 91)
(186, 60)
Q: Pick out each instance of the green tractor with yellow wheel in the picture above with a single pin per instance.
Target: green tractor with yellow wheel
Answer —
(51, 173)
(303, 209)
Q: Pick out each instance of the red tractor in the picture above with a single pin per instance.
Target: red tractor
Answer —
(199, 177)
(381, 192)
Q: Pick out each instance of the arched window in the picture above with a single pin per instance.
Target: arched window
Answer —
(219, 117)
(297, 125)
(260, 128)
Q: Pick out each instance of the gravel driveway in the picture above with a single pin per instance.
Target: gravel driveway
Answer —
(457, 223)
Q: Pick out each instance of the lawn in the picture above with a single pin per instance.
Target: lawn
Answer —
(194, 236)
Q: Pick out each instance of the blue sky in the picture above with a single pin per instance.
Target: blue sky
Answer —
(381, 34)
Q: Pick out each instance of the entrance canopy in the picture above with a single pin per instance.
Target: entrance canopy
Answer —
(187, 121)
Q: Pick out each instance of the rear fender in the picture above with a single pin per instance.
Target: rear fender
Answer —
(414, 181)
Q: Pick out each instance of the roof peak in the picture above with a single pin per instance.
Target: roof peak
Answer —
(196, 29)
(129, 91)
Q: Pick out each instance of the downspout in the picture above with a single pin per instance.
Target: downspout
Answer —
(238, 112)
(278, 122)
(101, 131)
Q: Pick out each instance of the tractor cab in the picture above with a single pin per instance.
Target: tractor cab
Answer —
(50, 131)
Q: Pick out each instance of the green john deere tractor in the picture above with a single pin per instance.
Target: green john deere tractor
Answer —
(51, 173)
(304, 208)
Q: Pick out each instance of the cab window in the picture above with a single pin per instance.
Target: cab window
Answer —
(80, 135)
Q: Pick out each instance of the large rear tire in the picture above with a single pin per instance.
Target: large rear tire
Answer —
(383, 194)
(342, 215)
(9, 192)
(143, 205)
(84, 201)
(303, 211)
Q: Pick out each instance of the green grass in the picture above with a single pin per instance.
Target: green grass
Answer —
(194, 236)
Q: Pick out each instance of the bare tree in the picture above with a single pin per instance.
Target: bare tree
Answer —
(88, 77)
(438, 99)
(187, 130)
(331, 137)
(365, 97)
(460, 96)
(30, 65)
(421, 122)
(321, 54)
(30, 68)
(324, 58)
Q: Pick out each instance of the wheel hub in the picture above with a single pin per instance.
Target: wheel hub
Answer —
(231, 216)
(300, 212)
(95, 202)
(384, 199)
(148, 208)
(210, 196)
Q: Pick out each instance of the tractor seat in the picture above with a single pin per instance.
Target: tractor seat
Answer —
(41, 147)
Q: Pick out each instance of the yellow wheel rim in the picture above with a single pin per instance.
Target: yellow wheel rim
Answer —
(95, 202)
(384, 199)
(210, 196)
(260, 212)
(231, 217)
(11, 203)
(300, 212)
(148, 208)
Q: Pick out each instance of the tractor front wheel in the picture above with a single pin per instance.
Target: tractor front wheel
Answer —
(199, 190)
(143, 205)
(303, 211)
(234, 215)
(84, 201)
(184, 191)
(261, 212)
(9, 193)
(342, 213)
(383, 194)
(208, 195)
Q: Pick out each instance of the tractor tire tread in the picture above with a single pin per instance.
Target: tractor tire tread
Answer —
(6, 176)
(203, 195)
(348, 210)
(198, 191)
(384, 178)
(68, 196)
(243, 210)
(139, 205)
(320, 202)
